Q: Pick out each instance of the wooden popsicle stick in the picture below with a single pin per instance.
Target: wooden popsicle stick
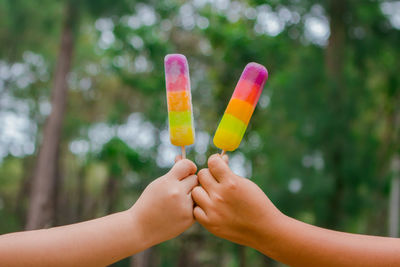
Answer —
(183, 152)
(223, 152)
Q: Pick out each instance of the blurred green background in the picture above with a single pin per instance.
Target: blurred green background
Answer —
(323, 142)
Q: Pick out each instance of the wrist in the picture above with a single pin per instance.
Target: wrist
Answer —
(142, 238)
(269, 233)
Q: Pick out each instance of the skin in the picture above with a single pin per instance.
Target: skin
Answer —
(234, 208)
(163, 211)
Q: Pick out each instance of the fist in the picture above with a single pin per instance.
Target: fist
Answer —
(230, 206)
(165, 208)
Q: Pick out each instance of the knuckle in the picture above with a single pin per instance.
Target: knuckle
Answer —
(186, 162)
(196, 191)
(212, 160)
(174, 193)
(198, 215)
(202, 173)
(200, 180)
(232, 185)
(218, 198)
(196, 211)
(190, 164)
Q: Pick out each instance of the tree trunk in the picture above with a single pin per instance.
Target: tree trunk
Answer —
(110, 194)
(81, 194)
(394, 201)
(142, 259)
(20, 201)
(187, 253)
(41, 206)
(334, 59)
(242, 256)
(336, 44)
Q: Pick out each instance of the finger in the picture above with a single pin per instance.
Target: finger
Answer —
(206, 180)
(201, 198)
(225, 158)
(183, 168)
(219, 168)
(200, 215)
(189, 183)
(178, 158)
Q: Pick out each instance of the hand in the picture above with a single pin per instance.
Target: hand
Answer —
(165, 208)
(230, 206)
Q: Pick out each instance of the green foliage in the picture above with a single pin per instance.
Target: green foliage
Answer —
(117, 154)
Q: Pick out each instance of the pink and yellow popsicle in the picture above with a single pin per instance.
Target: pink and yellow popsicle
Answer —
(237, 115)
(179, 99)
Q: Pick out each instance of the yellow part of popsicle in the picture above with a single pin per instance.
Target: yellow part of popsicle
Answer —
(240, 109)
(229, 133)
(181, 135)
(181, 130)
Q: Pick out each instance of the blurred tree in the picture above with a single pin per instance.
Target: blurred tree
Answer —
(339, 113)
(43, 186)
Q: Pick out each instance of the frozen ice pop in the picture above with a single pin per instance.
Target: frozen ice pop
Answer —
(237, 115)
(179, 99)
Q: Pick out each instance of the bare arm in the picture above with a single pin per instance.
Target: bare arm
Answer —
(236, 209)
(163, 211)
(300, 244)
(92, 243)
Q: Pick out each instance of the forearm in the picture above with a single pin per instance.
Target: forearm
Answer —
(93, 243)
(300, 244)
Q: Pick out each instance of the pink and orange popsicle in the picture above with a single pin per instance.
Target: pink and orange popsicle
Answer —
(179, 99)
(240, 108)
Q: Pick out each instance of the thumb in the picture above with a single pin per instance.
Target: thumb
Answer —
(218, 167)
(226, 158)
(178, 158)
(182, 169)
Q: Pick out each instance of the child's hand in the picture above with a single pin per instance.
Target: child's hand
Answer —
(230, 206)
(165, 208)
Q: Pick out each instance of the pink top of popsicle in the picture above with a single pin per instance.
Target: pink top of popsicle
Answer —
(176, 72)
(251, 83)
(256, 73)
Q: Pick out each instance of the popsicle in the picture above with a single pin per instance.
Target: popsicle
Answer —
(179, 99)
(240, 108)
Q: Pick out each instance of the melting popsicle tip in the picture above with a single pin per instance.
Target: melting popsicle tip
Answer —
(175, 64)
(255, 72)
(175, 57)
